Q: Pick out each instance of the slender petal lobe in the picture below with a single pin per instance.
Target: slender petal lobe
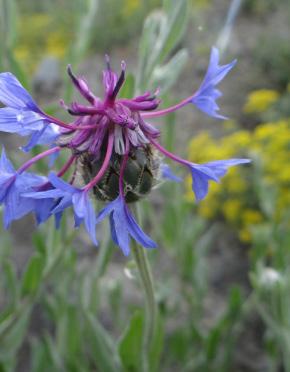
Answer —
(206, 96)
(123, 226)
(22, 115)
(212, 171)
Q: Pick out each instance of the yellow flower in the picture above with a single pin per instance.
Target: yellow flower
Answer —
(245, 235)
(206, 209)
(236, 184)
(240, 139)
(269, 147)
(56, 44)
(130, 7)
(232, 209)
(260, 100)
(251, 217)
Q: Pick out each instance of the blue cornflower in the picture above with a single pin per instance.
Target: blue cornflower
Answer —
(123, 226)
(114, 153)
(69, 196)
(13, 184)
(212, 171)
(206, 96)
(167, 173)
(22, 115)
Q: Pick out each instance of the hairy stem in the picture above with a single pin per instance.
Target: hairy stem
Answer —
(149, 327)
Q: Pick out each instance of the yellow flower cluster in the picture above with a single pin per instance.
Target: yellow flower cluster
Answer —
(260, 100)
(40, 36)
(240, 198)
(130, 7)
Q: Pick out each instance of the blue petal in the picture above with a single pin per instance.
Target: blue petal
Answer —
(120, 230)
(168, 174)
(123, 225)
(42, 210)
(45, 136)
(58, 183)
(107, 210)
(136, 232)
(199, 183)
(63, 203)
(49, 135)
(203, 173)
(113, 230)
(5, 164)
(84, 210)
(206, 96)
(57, 218)
(12, 93)
(48, 194)
(15, 206)
(5, 183)
(53, 157)
(19, 121)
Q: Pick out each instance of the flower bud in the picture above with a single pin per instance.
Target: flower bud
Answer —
(140, 175)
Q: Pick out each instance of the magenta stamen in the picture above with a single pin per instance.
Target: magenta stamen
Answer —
(120, 81)
(107, 61)
(77, 109)
(69, 126)
(176, 107)
(169, 154)
(105, 164)
(81, 86)
(33, 160)
(66, 166)
(122, 168)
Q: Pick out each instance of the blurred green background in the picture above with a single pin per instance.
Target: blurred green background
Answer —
(221, 271)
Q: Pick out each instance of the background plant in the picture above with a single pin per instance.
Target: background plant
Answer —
(62, 281)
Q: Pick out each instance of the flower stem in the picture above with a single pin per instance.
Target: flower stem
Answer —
(149, 327)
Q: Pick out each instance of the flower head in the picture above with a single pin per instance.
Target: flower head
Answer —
(206, 96)
(124, 226)
(22, 115)
(115, 153)
(13, 185)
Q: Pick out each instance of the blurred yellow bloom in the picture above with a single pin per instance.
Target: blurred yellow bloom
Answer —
(259, 100)
(269, 147)
(41, 34)
(232, 209)
(206, 210)
(245, 235)
(236, 185)
(251, 217)
(241, 138)
(130, 7)
(56, 44)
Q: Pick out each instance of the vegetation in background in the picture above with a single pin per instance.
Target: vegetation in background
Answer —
(71, 308)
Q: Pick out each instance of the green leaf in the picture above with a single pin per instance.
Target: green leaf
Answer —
(32, 275)
(40, 357)
(157, 345)
(11, 280)
(127, 90)
(12, 338)
(16, 68)
(176, 25)
(162, 32)
(87, 11)
(84, 28)
(148, 39)
(103, 347)
(165, 76)
(53, 352)
(130, 345)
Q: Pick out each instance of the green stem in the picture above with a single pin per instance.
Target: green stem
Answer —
(151, 309)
